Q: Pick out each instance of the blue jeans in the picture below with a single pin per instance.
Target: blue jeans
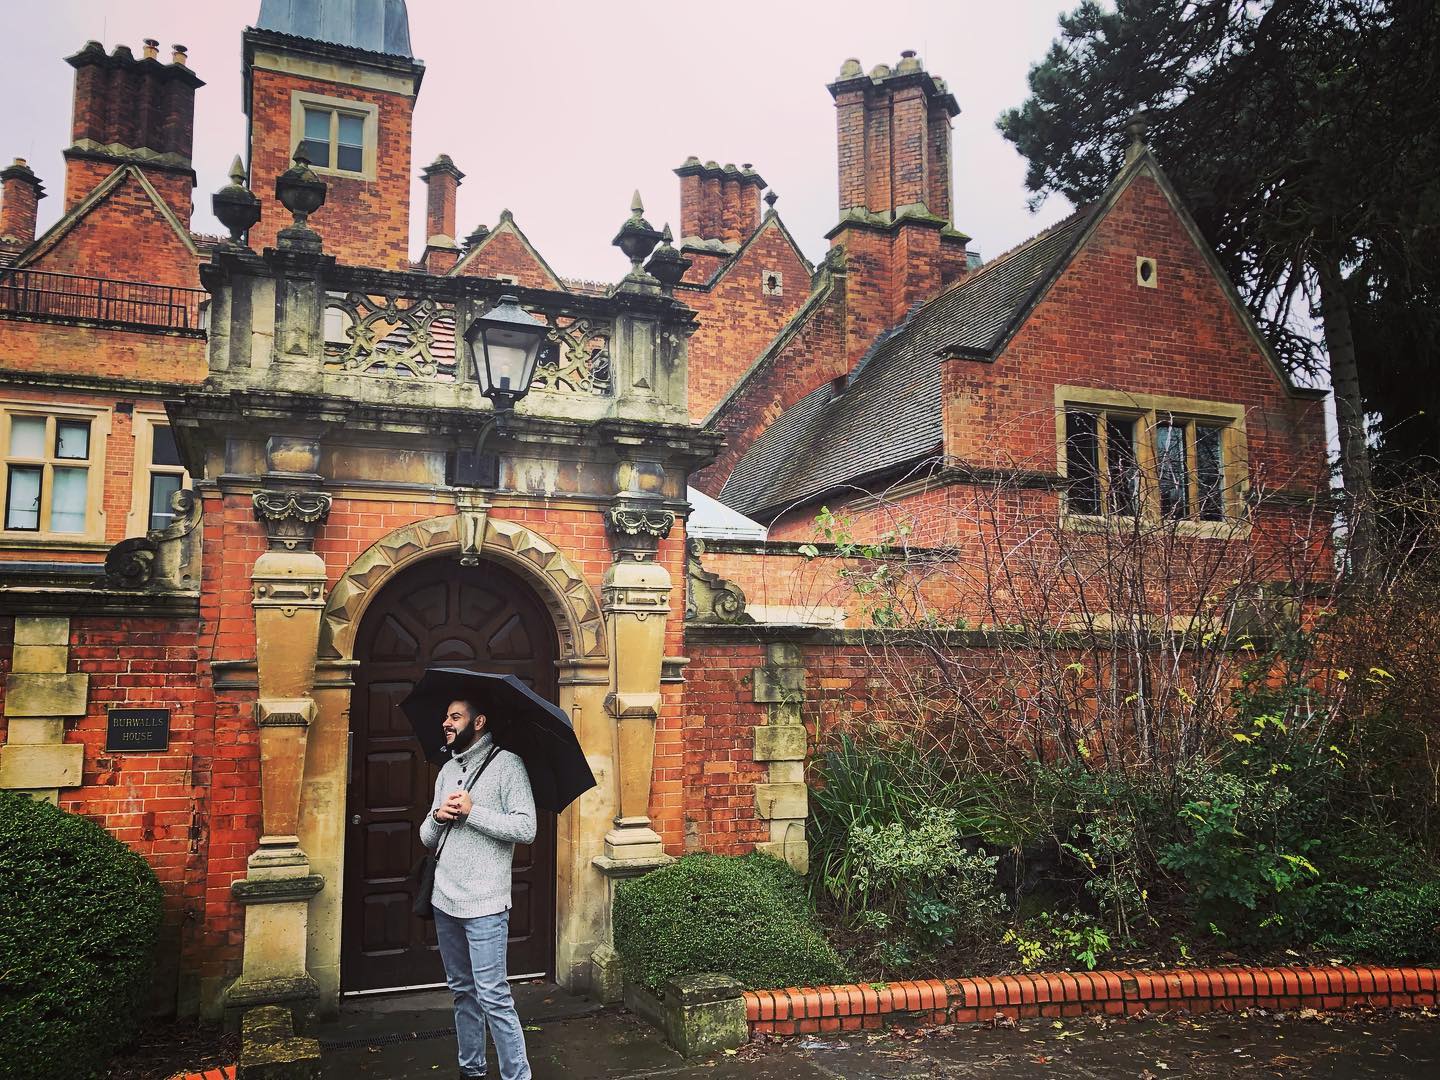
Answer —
(474, 954)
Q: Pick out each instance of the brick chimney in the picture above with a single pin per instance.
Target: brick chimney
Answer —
(139, 111)
(19, 205)
(895, 192)
(718, 203)
(442, 182)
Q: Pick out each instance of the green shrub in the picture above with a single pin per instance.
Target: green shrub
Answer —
(922, 878)
(744, 917)
(79, 918)
(1395, 924)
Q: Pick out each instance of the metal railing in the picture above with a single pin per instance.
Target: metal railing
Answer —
(106, 300)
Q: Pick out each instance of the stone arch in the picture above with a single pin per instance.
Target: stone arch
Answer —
(556, 579)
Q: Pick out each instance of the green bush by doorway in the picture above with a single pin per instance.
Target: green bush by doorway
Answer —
(80, 915)
(745, 917)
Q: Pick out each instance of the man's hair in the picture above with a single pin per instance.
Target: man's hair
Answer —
(470, 704)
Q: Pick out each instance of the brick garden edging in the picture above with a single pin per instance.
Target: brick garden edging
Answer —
(227, 1073)
(966, 1001)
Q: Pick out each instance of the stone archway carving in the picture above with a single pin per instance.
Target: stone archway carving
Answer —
(578, 621)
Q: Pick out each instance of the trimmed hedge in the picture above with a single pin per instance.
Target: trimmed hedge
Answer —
(746, 917)
(80, 916)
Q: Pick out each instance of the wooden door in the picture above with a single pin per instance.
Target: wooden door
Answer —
(440, 612)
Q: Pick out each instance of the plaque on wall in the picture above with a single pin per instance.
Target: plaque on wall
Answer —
(138, 729)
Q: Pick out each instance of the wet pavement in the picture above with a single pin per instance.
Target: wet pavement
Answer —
(410, 1036)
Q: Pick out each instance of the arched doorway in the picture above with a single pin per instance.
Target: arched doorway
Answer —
(437, 611)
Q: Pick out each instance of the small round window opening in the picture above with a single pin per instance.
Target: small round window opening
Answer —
(1145, 271)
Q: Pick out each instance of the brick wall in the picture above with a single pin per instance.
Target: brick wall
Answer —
(737, 318)
(363, 222)
(126, 236)
(504, 254)
(1098, 328)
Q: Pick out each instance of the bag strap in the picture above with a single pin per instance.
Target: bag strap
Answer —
(468, 785)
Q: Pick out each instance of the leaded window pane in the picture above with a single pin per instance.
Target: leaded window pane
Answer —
(162, 486)
(1082, 462)
(72, 440)
(1210, 473)
(163, 450)
(1173, 478)
(27, 436)
(67, 500)
(22, 497)
(1124, 472)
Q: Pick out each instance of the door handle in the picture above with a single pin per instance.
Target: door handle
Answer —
(355, 819)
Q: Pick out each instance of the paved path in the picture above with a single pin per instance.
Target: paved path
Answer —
(405, 1037)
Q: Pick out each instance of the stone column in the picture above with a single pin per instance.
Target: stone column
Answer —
(636, 602)
(288, 583)
(783, 800)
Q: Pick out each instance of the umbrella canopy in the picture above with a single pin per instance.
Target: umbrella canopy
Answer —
(520, 721)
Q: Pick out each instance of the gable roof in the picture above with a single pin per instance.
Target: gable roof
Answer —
(507, 226)
(887, 412)
(730, 260)
(102, 191)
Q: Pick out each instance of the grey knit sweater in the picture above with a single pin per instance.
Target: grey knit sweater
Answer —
(473, 877)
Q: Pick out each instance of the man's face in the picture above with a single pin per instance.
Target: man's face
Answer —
(458, 717)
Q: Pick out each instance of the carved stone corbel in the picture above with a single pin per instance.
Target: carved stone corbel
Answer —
(167, 558)
(471, 508)
(709, 597)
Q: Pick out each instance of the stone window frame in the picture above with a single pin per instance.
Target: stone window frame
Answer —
(1149, 411)
(99, 417)
(369, 113)
(144, 423)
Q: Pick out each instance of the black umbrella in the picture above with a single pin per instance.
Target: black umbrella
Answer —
(520, 720)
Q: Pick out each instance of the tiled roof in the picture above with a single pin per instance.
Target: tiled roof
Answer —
(888, 412)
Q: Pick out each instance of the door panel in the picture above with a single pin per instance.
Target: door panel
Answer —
(439, 612)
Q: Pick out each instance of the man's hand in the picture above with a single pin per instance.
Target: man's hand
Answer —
(458, 803)
(443, 814)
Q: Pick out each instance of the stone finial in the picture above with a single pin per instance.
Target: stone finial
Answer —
(771, 199)
(667, 265)
(302, 193)
(479, 233)
(637, 238)
(1138, 127)
(236, 205)
(851, 69)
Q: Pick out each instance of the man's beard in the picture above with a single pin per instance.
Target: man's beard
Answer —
(463, 738)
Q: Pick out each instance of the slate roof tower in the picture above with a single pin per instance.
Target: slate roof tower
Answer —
(336, 80)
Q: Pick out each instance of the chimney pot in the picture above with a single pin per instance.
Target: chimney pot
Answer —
(19, 203)
(152, 48)
(181, 55)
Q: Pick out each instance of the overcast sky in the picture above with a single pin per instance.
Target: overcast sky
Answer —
(559, 110)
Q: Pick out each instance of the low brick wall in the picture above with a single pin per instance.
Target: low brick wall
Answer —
(967, 1001)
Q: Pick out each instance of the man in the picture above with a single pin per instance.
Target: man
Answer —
(472, 885)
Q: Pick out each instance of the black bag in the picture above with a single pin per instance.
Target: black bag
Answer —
(424, 872)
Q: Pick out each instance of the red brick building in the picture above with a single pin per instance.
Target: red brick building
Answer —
(246, 505)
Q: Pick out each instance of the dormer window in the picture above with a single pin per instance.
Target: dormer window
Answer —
(337, 136)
